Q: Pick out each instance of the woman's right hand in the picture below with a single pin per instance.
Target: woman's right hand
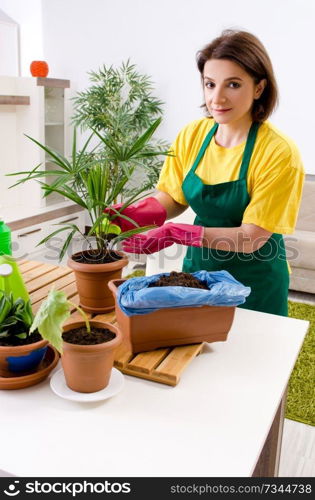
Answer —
(145, 213)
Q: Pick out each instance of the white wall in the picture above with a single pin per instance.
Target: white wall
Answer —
(28, 14)
(9, 46)
(162, 36)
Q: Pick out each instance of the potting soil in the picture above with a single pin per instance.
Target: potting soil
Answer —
(16, 341)
(94, 257)
(82, 337)
(179, 279)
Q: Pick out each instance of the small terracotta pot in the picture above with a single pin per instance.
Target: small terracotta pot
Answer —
(15, 360)
(87, 368)
(173, 326)
(39, 68)
(92, 283)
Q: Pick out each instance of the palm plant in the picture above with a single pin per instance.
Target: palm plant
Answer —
(94, 183)
(120, 105)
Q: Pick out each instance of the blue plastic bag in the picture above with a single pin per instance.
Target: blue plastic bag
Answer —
(134, 296)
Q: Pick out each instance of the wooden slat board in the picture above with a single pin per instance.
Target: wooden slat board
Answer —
(162, 365)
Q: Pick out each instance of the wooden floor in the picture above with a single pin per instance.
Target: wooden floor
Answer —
(298, 443)
(298, 450)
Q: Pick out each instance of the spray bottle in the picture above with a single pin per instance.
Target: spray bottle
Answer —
(11, 278)
(5, 238)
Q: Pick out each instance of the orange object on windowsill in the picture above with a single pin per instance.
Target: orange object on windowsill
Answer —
(39, 68)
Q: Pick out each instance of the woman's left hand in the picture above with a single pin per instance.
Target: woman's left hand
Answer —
(164, 236)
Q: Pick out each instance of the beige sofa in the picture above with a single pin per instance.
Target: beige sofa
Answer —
(300, 245)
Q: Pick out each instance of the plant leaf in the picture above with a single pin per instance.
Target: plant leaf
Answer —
(6, 302)
(50, 317)
(122, 216)
(67, 192)
(47, 238)
(139, 144)
(59, 159)
(66, 244)
(131, 232)
(21, 335)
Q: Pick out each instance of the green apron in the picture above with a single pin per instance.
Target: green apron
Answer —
(223, 205)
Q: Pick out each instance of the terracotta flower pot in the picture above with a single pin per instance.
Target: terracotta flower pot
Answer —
(173, 326)
(15, 360)
(92, 283)
(39, 68)
(87, 368)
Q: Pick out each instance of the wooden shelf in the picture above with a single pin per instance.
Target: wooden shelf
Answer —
(15, 99)
(53, 82)
(43, 217)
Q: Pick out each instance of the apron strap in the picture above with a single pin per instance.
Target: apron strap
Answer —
(204, 146)
(250, 143)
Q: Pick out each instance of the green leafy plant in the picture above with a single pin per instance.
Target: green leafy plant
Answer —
(16, 317)
(95, 186)
(51, 316)
(120, 105)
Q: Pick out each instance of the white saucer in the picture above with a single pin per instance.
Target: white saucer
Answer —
(59, 386)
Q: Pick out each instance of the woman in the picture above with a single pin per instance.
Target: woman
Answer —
(242, 177)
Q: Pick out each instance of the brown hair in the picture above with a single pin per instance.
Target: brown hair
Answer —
(247, 51)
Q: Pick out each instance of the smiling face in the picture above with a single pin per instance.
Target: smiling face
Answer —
(229, 91)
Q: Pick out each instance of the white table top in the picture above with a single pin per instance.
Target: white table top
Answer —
(212, 424)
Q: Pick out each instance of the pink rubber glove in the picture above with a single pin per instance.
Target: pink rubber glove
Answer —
(162, 237)
(146, 212)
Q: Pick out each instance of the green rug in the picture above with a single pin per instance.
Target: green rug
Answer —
(301, 390)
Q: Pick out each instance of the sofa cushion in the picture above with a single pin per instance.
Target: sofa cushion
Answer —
(300, 248)
(302, 280)
(306, 217)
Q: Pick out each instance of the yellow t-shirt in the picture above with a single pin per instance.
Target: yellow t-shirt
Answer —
(274, 179)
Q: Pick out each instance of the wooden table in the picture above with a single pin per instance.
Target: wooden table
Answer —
(224, 418)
